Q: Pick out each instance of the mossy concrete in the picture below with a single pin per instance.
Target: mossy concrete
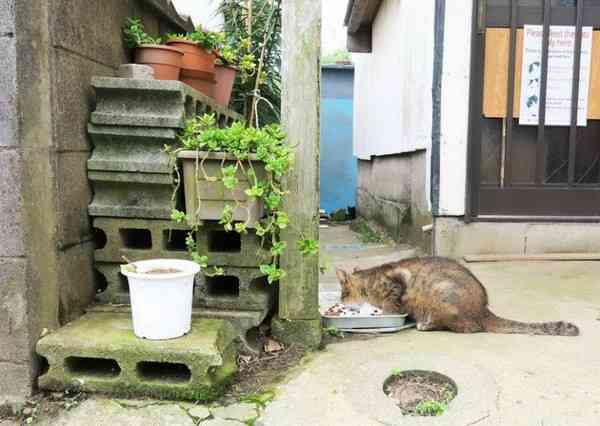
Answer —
(305, 333)
(208, 351)
(242, 321)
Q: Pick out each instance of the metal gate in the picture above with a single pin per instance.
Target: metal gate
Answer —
(530, 171)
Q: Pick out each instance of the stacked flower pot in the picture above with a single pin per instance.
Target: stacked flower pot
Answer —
(132, 179)
(192, 64)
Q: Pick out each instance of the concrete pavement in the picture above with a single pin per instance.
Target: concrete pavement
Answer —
(507, 380)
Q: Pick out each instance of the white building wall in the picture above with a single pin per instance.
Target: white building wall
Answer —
(393, 83)
(455, 107)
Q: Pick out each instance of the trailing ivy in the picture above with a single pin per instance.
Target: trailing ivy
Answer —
(246, 145)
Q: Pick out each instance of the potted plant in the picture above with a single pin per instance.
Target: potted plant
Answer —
(199, 49)
(166, 61)
(161, 293)
(231, 60)
(236, 175)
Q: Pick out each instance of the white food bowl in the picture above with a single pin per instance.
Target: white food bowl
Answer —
(161, 304)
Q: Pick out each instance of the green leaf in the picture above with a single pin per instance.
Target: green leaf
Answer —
(308, 247)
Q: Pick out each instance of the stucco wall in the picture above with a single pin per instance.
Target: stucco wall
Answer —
(51, 50)
(393, 118)
(393, 83)
(454, 124)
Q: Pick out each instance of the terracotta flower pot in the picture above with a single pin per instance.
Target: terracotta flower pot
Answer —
(165, 60)
(225, 77)
(195, 57)
(202, 81)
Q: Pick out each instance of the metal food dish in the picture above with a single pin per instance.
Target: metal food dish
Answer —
(378, 321)
(378, 330)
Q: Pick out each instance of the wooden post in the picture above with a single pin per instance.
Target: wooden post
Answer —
(299, 320)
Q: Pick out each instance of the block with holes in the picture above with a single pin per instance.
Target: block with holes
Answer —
(139, 239)
(100, 353)
(242, 289)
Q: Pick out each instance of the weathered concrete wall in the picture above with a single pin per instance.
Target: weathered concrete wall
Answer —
(391, 192)
(51, 50)
(454, 238)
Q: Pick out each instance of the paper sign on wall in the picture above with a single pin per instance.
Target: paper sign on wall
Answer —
(561, 57)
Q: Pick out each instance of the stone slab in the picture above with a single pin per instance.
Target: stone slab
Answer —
(137, 71)
(563, 238)
(14, 326)
(242, 412)
(16, 384)
(11, 229)
(207, 352)
(7, 16)
(8, 90)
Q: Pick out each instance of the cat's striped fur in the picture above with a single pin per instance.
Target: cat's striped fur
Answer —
(440, 294)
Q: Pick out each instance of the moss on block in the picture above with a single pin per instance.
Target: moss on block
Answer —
(100, 353)
(305, 333)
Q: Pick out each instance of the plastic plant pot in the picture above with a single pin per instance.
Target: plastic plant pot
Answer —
(161, 293)
(225, 77)
(166, 61)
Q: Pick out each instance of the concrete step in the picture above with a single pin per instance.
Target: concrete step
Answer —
(99, 353)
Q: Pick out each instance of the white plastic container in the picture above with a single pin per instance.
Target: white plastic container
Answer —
(161, 303)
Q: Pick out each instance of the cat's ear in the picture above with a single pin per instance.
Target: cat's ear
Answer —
(342, 275)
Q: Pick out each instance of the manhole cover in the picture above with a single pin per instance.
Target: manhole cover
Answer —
(420, 393)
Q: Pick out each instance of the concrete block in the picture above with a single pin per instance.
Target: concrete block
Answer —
(151, 103)
(138, 71)
(11, 225)
(14, 325)
(563, 238)
(305, 333)
(8, 90)
(130, 149)
(166, 239)
(241, 289)
(16, 383)
(243, 322)
(100, 353)
(74, 195)
(7, 17)
(74, 98)
(135, 195)
(453, 238)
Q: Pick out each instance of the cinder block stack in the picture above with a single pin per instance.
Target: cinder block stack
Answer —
(132, 182)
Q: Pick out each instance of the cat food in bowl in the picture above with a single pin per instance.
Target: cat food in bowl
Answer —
(362, 318)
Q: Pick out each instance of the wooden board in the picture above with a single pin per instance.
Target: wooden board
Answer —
(495, 78)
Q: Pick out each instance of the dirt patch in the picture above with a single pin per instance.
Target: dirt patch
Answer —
(420, 393)
(44, 405)
(258, 375)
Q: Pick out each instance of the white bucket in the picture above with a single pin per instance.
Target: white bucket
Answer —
(161, 304)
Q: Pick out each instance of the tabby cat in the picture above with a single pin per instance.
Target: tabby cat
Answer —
(439, 294)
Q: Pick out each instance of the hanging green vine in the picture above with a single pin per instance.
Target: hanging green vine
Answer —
(246, 146)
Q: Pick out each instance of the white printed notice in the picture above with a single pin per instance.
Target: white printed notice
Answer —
(561, 57)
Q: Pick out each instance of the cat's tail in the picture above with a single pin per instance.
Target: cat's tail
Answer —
(495, 324)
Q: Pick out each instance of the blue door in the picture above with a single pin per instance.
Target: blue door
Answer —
(339, 167)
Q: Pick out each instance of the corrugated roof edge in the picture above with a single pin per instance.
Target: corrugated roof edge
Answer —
(168, 10)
